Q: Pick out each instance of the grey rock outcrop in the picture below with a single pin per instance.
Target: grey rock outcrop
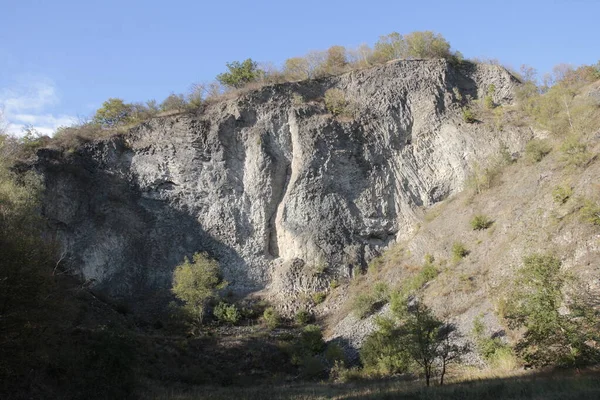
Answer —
(272, 186)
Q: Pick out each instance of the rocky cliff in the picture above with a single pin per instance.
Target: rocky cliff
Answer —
(270, 183)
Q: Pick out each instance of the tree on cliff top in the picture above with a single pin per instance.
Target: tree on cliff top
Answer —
(240, 74)
(114, 112)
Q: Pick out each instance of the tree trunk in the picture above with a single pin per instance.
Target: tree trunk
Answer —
(443, 372)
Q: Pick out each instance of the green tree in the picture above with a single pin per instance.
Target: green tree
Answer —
(427, 44)
(114, 112)
(383, 351)
(195, 283)
(240, 74)
(429, 341)
(552, 336)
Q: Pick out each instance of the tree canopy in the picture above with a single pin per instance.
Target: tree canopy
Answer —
(240, 73)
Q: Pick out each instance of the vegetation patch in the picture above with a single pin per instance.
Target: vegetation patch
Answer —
(481, 222)
(537, 149)
(459, 251)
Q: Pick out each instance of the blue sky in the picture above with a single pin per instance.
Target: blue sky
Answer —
(60, 59)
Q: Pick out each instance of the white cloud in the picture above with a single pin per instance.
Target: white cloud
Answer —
(26, 104)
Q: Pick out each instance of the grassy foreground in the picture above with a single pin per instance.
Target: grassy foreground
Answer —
(558, 385)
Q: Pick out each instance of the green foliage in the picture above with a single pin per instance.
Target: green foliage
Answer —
(227, 313)
(335, 354)
(493, 350)
(429, 259)
(552, 336)
(590, 212)
(468, 116)
(427, 44)
(271, 318)
(556, 106)
(420, 339)
(480, 222)
(27, 259)
(459, 251)
(114, 112)
(488, 100)
(366, 303)
(409, 286)
(303, 317)
(537, 149)
(363, 305)
(484, 177)
(312, 367)
(337, 104)
(240, 74)
(311, 339)
(334, 284)
(319, 297)
(195, 283)
(104, 361)
(574, 151)
(383, 353)
(561, 194)
(381, 291)
(429, 341)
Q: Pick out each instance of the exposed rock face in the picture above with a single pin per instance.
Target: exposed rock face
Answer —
(275, 188)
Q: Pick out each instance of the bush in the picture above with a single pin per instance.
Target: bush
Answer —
(335, 354)
(363, 305)
(271, 318)
(311, 339)
(493, 350)
(484, 177)
(537, 149)
(319, 297)
(561, 194)
(383, 352)
(381, 292)
(303, 317)
(590, 212)
(312, 367)
(468, 115)
(342, 374)
(575, 152)
(337, 104)
(488, 100)
(481, 222)
(459, 251)
(227, 313)
(195, 283)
